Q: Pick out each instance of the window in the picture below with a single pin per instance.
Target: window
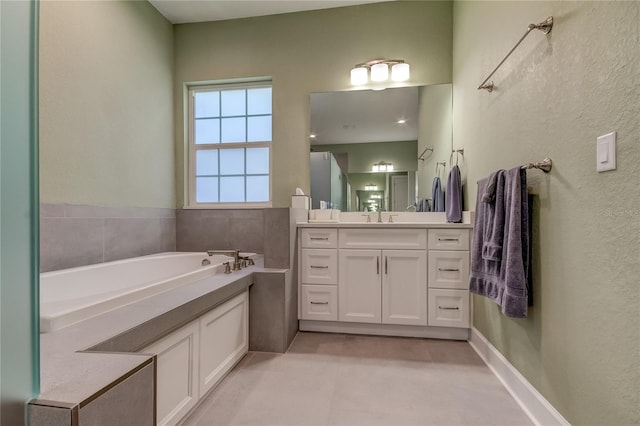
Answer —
(230, 144)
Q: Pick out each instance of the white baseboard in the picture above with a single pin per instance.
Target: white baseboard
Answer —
(539, 410)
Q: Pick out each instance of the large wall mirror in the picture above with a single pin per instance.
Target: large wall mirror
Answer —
(379, 149)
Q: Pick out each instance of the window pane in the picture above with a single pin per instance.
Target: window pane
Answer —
(257, 188)
(259, 129)
(207, 190)
(257, 161)
(207, 104)
(207, 131)
(207, 162)
(233, 130)
(259, 101)
(232, 189)
(233, 103)
(232, 161)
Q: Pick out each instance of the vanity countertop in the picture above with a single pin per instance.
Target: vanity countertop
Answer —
(81, 360)
(400, 220)
(396, 225)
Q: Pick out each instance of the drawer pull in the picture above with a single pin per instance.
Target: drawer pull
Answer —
(319, 303)
(448, 239)
(448, 308)
(377, 265)
(318, 267)
(320, 238)
(448, 270)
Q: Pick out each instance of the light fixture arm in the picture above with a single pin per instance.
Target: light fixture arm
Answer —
(373, 62)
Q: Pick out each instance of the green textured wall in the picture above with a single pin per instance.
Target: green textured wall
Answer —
(580, 346)
(106, 104)
(402, 154)
(308, 52)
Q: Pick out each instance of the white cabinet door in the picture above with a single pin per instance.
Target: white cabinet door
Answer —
(359, 292)
(404, 287)
(449, 308)
(319, 302)
(224, 340)
(319, 266)
(448, 269)
(319, 238)
(448, 239)
(177, 373)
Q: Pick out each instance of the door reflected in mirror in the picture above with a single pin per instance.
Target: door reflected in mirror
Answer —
(366, 130)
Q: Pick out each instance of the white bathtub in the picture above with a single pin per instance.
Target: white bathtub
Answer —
(72, 295)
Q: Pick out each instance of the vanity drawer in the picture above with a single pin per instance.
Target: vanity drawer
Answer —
(449, 239)
(448, 269)
(319, 302)
(319, 238)
(368, 238)
(319, 266)
(449, 308)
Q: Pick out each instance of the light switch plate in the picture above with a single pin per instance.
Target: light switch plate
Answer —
(606, 152)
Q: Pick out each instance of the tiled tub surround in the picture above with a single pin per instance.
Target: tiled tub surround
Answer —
(77, 235)
(94, 360)
(253, 230)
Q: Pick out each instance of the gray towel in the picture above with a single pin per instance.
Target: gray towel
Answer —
(489, 195)
(502, 224)
(453, 202)
(437, 195)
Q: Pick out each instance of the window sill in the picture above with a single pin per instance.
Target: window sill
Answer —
(228, 206)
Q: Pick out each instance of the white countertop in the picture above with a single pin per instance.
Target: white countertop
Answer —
(400, 225)
(399, 220)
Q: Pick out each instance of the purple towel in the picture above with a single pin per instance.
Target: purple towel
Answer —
(501, 243)
(453, 200)
(437, 195)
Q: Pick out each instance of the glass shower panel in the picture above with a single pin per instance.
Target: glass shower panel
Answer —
(19, 211)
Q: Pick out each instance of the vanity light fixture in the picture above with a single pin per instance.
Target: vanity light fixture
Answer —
(312, 136)
(382, 166)
(400, 71)
(370, 187)
(402, 121)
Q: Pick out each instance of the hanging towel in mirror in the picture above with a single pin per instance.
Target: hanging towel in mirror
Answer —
(453, 201)
(437, 195)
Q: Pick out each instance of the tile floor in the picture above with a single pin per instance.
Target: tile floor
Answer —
(335, 379)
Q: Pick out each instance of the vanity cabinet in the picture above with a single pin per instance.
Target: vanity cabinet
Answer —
(388, 280)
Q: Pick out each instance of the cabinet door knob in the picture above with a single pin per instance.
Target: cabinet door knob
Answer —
(378, 265)
(386, 267)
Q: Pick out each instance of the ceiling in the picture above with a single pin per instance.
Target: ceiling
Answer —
(185, 11)
(364, 116)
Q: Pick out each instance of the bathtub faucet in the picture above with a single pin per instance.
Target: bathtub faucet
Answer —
(234, 253)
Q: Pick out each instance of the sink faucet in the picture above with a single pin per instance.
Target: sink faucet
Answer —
(234, 253)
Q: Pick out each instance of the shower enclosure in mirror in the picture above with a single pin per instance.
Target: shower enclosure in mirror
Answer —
(372, 141)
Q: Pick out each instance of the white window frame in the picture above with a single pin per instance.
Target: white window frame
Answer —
(192, 148)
